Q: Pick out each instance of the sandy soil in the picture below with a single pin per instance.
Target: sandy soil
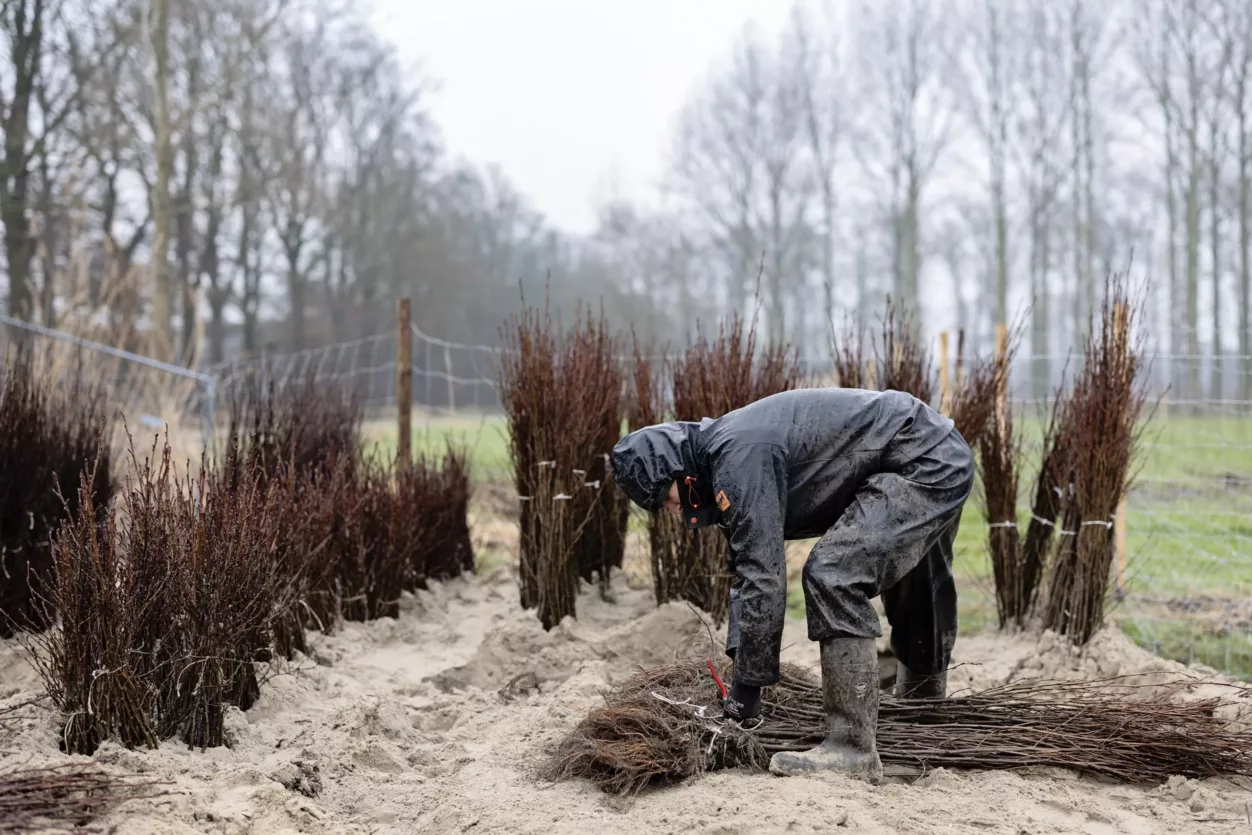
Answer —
(400, 726)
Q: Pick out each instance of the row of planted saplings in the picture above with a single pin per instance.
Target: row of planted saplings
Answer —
(567, 395)
(163, 606)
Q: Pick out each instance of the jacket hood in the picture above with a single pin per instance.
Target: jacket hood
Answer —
(648, 460)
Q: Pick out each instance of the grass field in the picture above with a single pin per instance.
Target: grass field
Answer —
(1189, 523)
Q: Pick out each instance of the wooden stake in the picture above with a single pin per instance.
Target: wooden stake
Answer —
(945, 385)
(871, 376)
(1119, 538)
(1002, 391)
(447, 369)
(404, 385)
(960, 357)
(1121, 336)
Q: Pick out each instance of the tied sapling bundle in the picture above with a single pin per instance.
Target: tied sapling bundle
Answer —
(557, 400)
(1099, 433)
(710, 379)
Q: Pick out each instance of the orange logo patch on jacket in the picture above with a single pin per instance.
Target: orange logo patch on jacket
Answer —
(722, 501)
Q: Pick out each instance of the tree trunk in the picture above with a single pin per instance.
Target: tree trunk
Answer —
(777, 323)
(25, 55)
(1041, 371)
(296, 295)
(828, 260)
(162, 343)
(862, 282)
(999, 139)
(1215, 386)
(249, 298)
(1245, 242)
(1174, 295)
(1076, 176)
(1089, 213)
(49, 240)
(912, 227)
(1193, 256)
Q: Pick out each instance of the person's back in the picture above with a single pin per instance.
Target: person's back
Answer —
(833, 439)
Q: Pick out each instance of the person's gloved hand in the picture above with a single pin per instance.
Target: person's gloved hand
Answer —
(743, 702)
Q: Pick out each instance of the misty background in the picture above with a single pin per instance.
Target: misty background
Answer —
(204, 180)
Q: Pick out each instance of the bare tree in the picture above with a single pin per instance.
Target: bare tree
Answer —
(39, 101)
(162, 342)
(1041, 129)
(823, 94)
(907, 120)
(988, 84)
(1238, 21)
(716, 166)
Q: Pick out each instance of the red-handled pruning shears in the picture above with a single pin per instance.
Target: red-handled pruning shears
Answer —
(713, 647)
(717, 679)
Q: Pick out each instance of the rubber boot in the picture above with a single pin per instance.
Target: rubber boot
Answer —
(850, 699)
(911, 685)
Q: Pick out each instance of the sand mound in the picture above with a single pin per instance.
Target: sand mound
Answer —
(402, 726)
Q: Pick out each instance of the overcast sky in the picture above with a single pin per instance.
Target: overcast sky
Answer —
(575, 99)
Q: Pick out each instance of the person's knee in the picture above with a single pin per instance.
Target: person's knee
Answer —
(840, 609)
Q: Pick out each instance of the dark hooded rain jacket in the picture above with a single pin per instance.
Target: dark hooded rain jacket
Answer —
(784, 467)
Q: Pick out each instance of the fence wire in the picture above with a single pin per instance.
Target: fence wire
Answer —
(1188, 587)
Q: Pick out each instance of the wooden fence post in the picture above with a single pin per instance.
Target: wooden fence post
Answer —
(945, 384)
(1002, 390)
(871, 375)
(1121, 336)
(447, 369)
(1119, 540)
(404, 385)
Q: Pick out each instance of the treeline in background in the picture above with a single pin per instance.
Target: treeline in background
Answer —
(200, 181)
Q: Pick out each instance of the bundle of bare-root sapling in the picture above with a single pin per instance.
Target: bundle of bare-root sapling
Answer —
(901, 355)
(105, 597)
(664, 725)
(49, 436)
(711, 378)
(646, 407)
(999, 454)
(1099, 430)
(595, 381)
(167, 602)
(63, 798)
(556, 399)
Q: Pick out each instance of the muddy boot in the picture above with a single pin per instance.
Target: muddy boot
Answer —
(850, 699)
(911, 685)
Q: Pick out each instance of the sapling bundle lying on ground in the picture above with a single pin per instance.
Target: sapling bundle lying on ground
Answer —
(560, 398)
(48, 435)
(664, 725)
(711, 378)
(63, 798)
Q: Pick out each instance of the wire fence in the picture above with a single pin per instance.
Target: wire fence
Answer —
(1187, 592)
